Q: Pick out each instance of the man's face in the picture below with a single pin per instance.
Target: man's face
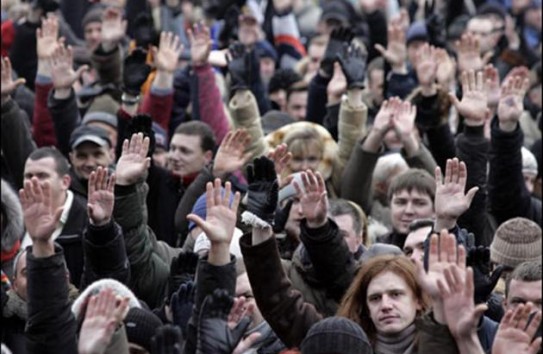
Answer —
(412, 49)
(186, 156)
(19, 279)
(45, 171)
(520, 292)
(315, 52)
(297, 105)
(392, 304)
(407, 206)
(482, 29)
(376, 79)
(88, 156)
(280, 97)
(414, 243)
(93, 35)
(346, 229)
(243, 288)
(267, 68)
(159, 157)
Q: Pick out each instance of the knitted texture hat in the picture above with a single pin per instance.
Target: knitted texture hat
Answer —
(141, 326)
(515, 241)
(336, 335)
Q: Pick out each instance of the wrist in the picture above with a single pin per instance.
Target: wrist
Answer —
(473, 122)
(99, 223)
(163, 79)
(444, 222)
(43, 248)
(400, 68)
(219, 253)
(316, 223)
(333, 99)
(108, 46)
(4, 99)
(62, 93)
(428, 90)
(508, 126)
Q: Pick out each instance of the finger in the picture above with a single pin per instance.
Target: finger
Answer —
(235, 202)
(507, 319)
(535, 347)
(201, 223)
(454, 171)
(217, 191)
(92, 181)
(454, 99)
(434, 249)
(471, 194)
(461, 256)
(534, 325)
(210, 200)
(111, 183)
(380, 49)
(448, 171)
(479, 311)
(145, 146)
(321, 188)
(471, 78)
(523, 320)
(227, 194)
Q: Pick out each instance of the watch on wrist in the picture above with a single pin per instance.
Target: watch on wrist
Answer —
(130, 100)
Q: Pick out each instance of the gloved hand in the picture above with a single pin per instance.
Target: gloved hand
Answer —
(338, 38)
(353, 64)
(281, 217)
(167, 340)
(262, 192)
(181, 304)
(435, 26)
(214, 335)
(479, 259)
(142, 123)
(239, 66)
(230, 29)
(145, 34)
(182, 270)
(135, 71)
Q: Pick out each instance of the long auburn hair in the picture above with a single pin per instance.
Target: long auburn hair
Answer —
(354, 304)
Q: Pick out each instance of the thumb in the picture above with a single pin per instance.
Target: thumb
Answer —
(247, 343)
(380, 49)
(19, 82)
(471, 194)
(90, 210)
(198, 221)
(81, 70)
(486, 58)
(58, 214)
(496, 274)
(239, 330)
(454, 99)
(479, 311)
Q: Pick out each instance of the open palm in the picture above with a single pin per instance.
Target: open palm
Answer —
(169, 49)
(133, 164)
(100, 196)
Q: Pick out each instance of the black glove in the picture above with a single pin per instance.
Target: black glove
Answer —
(48, 5)
(135, 71)
(353, 64)
(435, 26)
(338, 38)
(239, 66)
(214, 335)
(142, 123)
(479, 259)
(230, 29)
(181, 304)
(281, 217)
(145, 34)
(167, 340)
(182, 270)
(262, 191)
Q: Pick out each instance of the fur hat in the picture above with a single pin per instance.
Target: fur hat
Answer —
(336, 335)
(12, 224)
(515, 241)
(330, 153)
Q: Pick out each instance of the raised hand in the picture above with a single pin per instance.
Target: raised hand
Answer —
(469, 54)
(100, 197)
(62, 72)
(451, 200)
(168, 339)
(337, 85)
(241, 309)
(214, 334)
(239, 66)
(135, 71)
(200, 44)
(262, 193)
(446, 68)
(282, 5)
(457, 290)
(221, 216)
(113, 28)
(103, 315)
(370, 6)
(181, 304)
(280, 157)
(133, 163)
(231, 155)
(313, 198)
(353, 64)
(473, 106)
(515, 334)
(511, 103)
(403, 119)
(7, 83)
(396, 51)
(338, 38)
(40, 217)
(426, 65)
(46, 37)
(383, 120)
(167, 54)
(492, 85)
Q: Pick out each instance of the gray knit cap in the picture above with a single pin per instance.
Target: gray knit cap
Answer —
(515, 241)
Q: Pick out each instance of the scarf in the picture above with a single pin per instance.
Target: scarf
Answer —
(399, 343)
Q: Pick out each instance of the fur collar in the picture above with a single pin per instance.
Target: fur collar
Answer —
(13, 227)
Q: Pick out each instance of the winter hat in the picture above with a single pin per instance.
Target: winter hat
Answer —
(93, 15)
(118, 288)
(529, 163)
(416, 32)
(289, 191)
(161, 138)
(517, 240)
(202, 243)
(101, 117)
(335, 10)
(336, 335)
(141, 326)
(12, 223)
(492, 8)
(380, 249)
(274, 120)
(199, 208)
(264, 49)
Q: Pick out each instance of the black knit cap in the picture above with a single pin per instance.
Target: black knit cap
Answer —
(336, 335)
(141, 326)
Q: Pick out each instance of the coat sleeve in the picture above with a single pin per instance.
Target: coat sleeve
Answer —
(149, 271)
(316, 99)
(105, 254)
(65, 115)
(207, 103)
(51, 326)
(282, 306)
(422, 159)
(42, 123)
(434, 337)
(244, 112)
(158, 103)
(17, 141)
(108, 65)
(507, 192)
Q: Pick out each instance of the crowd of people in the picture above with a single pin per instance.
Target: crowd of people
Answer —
(271, 176)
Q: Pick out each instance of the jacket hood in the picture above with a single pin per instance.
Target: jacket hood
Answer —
(330, 153)
(12, 218)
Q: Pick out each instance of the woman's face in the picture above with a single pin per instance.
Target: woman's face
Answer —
(306, 158)
(391, 303)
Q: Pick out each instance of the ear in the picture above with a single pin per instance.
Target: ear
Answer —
(66, 181)
(208, 155)
(71, 155)
(112, 154)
